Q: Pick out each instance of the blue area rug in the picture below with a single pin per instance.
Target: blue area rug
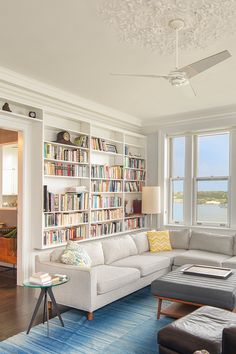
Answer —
(126, 326)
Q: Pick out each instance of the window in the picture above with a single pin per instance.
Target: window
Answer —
(211, 179)
(203, 191)
(176, 179)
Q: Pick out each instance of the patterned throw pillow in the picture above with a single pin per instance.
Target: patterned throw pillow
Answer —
(74, 254)
(159, 241)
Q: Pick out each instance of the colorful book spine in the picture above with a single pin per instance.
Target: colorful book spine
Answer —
(57, 219)
(107, 214)
(134, 162)
(58, 152)
(63, 235)
(65, 202)
(105, 171)
(106, 228)
(61, 169)
(136, 175)
(135, 223)
(106, 186)
(133, 186)
(99, 201)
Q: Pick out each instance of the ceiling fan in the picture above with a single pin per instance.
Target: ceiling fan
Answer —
(181, 76)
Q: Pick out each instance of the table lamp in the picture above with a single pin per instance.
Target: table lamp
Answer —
(151, 201)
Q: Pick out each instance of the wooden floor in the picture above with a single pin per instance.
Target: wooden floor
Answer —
(16, 305)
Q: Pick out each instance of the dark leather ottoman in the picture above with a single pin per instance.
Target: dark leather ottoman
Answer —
(202, 329)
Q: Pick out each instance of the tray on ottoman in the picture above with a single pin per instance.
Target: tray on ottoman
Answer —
(197, 290)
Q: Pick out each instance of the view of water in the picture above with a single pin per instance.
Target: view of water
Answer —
(205, 213)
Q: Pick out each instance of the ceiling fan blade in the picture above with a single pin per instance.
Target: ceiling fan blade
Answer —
(147, 76)
(204, 64)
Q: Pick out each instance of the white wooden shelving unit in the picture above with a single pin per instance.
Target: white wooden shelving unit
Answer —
(127, 145)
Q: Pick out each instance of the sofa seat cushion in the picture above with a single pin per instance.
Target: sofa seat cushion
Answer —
(200, 257)
(111, 278)
(169, 254)
(145, 264)
(230, 263)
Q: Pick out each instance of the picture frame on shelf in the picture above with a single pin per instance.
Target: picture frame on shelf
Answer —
(111, 148)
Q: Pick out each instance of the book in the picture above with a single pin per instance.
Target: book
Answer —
(40, 275)
(44, 281)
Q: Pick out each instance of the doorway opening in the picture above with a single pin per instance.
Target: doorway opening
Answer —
(8, 205)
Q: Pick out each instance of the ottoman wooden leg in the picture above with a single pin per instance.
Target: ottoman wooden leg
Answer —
(159, 308)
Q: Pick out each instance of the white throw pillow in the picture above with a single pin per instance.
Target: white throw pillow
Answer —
(74, 254)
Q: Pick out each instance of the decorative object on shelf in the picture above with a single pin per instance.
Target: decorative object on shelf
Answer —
(111, 148)
(64, 138)
(32, 114)
(151, 201)
(6, 107)
(145, 23)
(137, 206)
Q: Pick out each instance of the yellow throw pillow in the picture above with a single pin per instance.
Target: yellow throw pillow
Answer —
(159, 241)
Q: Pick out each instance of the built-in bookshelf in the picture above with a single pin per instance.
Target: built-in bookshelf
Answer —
(92, 185)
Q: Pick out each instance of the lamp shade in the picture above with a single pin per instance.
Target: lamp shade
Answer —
(151, 200)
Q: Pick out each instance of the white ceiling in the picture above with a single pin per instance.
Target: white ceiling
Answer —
(67, 45)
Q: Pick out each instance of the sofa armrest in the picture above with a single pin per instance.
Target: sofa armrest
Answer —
(81, 290)
(229, 340)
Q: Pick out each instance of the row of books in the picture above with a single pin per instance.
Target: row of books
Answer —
(132, 162)
(65, 201)
(99, 144)
(106, 228)
(105, 171)
(135, 175)
(99, 201)
(65, 219)
(103, 215)
(133, 186)
(135, 223)
(61, 169)
(106, 186)
(63, 235)
(64, 153)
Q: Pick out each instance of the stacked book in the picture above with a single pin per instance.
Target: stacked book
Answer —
(99, 201)
(106, 186)
(65, 202)
(62, 169)
(44, 279)
(105, 171)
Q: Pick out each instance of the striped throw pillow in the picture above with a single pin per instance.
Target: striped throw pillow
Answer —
(159, 241)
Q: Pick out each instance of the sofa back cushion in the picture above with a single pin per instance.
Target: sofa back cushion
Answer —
(141, 241)
(117, 248)
(179, 239)
(213, 243)
(95, 252)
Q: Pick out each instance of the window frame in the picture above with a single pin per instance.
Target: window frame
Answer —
(172, 179)
(196, 179)
(190, 180)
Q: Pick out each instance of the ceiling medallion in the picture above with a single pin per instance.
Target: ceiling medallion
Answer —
(146, 22)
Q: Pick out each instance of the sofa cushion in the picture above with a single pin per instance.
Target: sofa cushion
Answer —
(55, 256)
(95, 252)
(141, 242)
(74, 254)
(169, 254)
(200, 257)
(111, 278)
(145, 264)
(212, 243)
(230, 263)
(179, 239)
(118, 248)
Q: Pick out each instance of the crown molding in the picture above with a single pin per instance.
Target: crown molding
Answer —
(225, 115)
(29, 91)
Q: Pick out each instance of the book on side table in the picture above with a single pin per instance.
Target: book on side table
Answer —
(43, 279)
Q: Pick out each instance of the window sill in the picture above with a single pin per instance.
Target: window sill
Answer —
(181, 226)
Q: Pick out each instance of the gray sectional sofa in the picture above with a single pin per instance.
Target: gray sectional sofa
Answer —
(122, 265)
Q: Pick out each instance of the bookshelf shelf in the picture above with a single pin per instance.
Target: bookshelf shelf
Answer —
(104, 171)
